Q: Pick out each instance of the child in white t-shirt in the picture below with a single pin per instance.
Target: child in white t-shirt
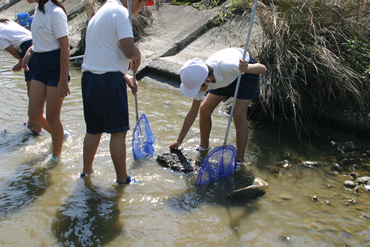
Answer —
(110, 49)
(51, 74)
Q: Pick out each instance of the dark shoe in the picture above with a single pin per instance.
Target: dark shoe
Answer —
(128, 181)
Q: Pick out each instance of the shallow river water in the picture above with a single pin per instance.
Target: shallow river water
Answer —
(43, 205)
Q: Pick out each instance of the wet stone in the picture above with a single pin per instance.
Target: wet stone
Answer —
(284, 163)
(363, 180)
(349, 184)
(353, 175)
(311, 164)
(336, 167)
(367, 187)
(350, 201)
(249, 193)
(349, 146)
(348, 162)
(176, 160)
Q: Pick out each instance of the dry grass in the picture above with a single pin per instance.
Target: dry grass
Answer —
(311, 67)
(139, 22)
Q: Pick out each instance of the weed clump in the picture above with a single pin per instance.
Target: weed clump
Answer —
(318, 56)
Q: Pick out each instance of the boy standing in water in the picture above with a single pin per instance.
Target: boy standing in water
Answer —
(218, 75)
(110, 49)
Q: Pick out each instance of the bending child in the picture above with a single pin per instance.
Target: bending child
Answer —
(16, 40)
(218, 75)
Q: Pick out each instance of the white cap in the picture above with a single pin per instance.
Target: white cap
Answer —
(193, 74)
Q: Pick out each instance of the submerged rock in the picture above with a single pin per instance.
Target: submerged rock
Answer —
(349, 146)
(311, 164)
(363, 180)
(349, 184)
(249, 193)
(176, 160)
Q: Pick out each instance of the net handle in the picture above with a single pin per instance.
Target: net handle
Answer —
(133, 73)
(240, 73)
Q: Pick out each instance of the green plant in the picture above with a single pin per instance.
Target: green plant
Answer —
(309, 71)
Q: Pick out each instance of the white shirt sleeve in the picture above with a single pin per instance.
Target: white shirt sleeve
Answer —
(59, 23)
(4, 44)
(122, 25)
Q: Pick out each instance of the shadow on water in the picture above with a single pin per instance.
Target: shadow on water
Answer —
(14, 137)
(33, 180)
(90, 217)
(216, 193)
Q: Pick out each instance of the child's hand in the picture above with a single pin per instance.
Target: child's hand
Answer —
(132, 84)
(18, 66)
(243, 65)
(63, 89)
(175, 145)
(134, 65)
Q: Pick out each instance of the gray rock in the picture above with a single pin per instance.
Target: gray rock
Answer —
(367, 187)
(249, 193)
(311, 164)
(346, 146)
(363, 180)
(349, 184)
(336, 167)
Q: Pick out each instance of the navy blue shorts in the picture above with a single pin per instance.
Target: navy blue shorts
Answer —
(105, 102)
(47, 67)
(24, 47)
(247, 88)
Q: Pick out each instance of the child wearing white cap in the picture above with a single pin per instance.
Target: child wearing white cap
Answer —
(218, 75)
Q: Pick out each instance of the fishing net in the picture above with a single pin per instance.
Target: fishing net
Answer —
(219, 163)
(143, 139)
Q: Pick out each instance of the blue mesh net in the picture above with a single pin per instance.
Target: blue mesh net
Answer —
(219, 163)
(143, 139)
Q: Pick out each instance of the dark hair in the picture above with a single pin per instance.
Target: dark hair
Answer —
(210, 70)
(56, 2)
(4, 20)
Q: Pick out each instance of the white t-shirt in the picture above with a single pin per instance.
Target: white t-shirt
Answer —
(103, 51)
(225, 65)
(13, 34)
(48, 28)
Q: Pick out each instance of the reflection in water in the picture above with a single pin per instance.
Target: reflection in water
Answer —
(27, 187)
(90, 217)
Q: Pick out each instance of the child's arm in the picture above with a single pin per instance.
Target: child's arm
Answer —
(63, 88)
(188, 122)
(251, 68)
(27, 58)
(17, 55)
(131, 52)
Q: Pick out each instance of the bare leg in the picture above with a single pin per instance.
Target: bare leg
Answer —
(91, 144)
(53, 107)
(37, 99)
(241, 126)
(205, 121)
(31, 124)
(118, 153)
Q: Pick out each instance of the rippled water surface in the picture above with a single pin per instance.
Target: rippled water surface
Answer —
(46, 205)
